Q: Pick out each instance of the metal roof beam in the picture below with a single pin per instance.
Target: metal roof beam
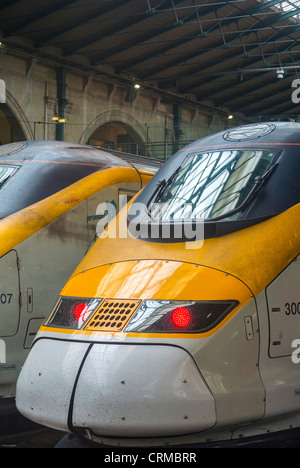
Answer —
(240, 91)
(263, 6)
(269, 40)
(196, 53)
(284, 16)
(235, 95)
(292, 108)
(174, 45)
(155, 33)
(237, 36)
(284, 86)
(84, 19)
(251, 74)
(97, 37)
(37, 16)
(263, 105)
(7, 3)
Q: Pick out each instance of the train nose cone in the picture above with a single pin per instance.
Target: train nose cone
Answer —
(142, 391)
(119, 390)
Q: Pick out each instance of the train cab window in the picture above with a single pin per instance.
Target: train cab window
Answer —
(6, 173)
(211, 185)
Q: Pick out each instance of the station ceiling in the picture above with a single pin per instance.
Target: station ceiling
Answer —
(224, 53)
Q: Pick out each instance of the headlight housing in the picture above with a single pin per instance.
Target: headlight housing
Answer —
(72, 312)
(154, 316)
(131, 315)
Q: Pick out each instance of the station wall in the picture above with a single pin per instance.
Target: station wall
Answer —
(97, 111)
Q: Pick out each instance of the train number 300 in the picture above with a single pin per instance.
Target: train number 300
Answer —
(5, 298)
(292, 308)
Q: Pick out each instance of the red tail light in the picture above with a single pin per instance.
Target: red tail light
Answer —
(80, 311)
(181, 317)
(72, 312)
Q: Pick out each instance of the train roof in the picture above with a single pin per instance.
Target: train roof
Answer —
(58, 151)
(33, 170)
(265, 133)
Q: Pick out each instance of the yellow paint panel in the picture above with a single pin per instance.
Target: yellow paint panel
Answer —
(17, 227)
(154, 279)
(254, 255)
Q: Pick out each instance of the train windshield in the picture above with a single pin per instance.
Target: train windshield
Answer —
(210, 185)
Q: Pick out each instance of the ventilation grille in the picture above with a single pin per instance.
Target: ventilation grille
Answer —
(112, 315)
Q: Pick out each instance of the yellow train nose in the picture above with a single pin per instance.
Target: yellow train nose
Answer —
(133, 283)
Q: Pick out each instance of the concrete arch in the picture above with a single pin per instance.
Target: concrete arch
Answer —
(135, 130)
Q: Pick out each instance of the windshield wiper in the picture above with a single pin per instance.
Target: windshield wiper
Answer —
(160, 187)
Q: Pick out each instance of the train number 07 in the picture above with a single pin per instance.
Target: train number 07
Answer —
(5, 298)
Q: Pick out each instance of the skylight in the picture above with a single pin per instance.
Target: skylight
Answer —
(289, 5)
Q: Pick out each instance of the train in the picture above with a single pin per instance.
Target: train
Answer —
(49, 195)
(184, 331)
